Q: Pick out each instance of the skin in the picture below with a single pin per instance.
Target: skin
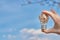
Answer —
(56, 18)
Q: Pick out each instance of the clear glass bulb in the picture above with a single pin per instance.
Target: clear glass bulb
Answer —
(43, 20)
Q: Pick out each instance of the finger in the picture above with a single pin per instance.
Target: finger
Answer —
(51, 14)
(53, 11)
(48, 13)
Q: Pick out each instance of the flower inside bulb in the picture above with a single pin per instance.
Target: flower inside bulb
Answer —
(43, 18)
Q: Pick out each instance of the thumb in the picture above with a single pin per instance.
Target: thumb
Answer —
(48, 31)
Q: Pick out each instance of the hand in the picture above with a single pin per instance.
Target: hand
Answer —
(56, 19)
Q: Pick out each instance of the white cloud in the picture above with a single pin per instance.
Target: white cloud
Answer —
(32, 34)
(32, 31)
(37, 38)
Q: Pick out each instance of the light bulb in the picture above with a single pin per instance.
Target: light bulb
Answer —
(43, 20)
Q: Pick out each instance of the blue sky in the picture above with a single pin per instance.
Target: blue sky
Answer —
(22, 23)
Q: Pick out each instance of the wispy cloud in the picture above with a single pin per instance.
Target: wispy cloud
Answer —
(7, 30)
(9, 37)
